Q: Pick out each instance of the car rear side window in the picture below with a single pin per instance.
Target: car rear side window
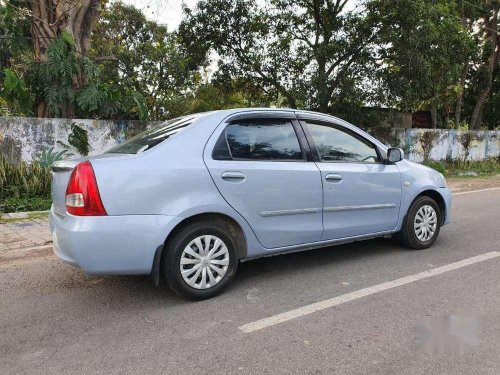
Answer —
(261, 139)
(152, 137)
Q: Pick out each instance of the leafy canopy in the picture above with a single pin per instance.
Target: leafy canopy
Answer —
(143, 67)
(300, 53)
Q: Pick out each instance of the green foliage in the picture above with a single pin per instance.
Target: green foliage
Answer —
(16, 94)
(210, 97)
(436, 165)
(463, 125)
(140, 105)
(491, 111)
(22, 182)
(465, 139)
(301, 54)
(486, 167)
(16, 50)
(320, 55)
(144, 70)
(427, 140)
(466, 168)
(90, 98)
(49, 156)
(78, 138)
(425, 46)
(68, 82)
(15, 204)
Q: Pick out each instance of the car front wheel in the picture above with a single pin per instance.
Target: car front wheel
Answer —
(422, 224)
(200, 260)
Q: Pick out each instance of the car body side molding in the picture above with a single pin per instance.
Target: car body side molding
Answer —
(362, 207)
(290, 212)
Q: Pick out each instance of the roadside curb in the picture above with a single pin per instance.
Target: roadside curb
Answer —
(9, 256)
(21, 215)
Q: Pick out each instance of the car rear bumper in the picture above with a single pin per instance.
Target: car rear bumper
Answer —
(110, 245)
(446, 194)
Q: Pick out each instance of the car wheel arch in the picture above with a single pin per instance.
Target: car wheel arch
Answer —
(234, 227)
(437, 197)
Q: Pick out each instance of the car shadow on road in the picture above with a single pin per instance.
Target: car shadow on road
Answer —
(304, 261)
(119, 291)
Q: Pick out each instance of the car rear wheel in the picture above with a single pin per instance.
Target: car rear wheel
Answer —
(200, 260)
(422, 224)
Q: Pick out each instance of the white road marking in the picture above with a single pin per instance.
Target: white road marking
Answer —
(314, 307)
(476, 191)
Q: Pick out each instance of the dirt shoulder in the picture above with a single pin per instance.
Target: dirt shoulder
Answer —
(464, 184)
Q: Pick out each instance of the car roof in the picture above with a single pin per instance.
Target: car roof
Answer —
(233, 111)
(224, 113)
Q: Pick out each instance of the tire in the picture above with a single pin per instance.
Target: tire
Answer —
(413, 238)
(185, 245)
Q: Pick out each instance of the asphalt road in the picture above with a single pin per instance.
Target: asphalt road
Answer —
(55, 319)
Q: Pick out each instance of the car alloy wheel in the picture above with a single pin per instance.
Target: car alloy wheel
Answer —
(204, 262)
(421, 225)
(425, 223)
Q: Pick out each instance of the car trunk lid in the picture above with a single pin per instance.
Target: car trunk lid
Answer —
(61, 172)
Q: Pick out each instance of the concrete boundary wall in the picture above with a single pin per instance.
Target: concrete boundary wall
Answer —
(485, 143)
(24, 138)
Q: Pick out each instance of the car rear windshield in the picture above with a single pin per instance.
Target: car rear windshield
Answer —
(152, 137)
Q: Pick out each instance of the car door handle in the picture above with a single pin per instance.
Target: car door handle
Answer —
(233, 176)
(333, 177)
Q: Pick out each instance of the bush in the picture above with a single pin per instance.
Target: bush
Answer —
(25, 204)
(427, 140)
(438, 166)
(23, 185)
(490, 166)
(459, 167)
(465, 140)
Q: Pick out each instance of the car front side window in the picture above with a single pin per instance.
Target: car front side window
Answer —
(334, 144)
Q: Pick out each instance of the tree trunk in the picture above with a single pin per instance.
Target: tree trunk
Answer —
(460, 96)
(478, 109)
(49, 19)
(493, 40)
(463, 77)
(434, 116)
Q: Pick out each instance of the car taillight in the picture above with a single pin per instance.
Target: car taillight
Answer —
(82, 193)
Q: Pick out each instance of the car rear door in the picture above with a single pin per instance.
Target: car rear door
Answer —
(259, 164)
(362, 194)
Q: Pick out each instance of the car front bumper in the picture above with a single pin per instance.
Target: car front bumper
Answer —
(446, 194)
(110, 245)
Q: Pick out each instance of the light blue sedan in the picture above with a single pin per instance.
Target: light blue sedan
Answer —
(188, 200)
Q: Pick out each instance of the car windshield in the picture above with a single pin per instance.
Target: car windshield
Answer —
(152, 137)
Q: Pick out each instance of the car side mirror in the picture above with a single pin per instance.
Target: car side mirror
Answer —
(395, 154)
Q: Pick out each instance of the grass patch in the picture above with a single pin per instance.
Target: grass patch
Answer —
(467, 168)
(29, 217)
(14, 204)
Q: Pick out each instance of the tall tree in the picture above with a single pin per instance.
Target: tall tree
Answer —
(16, 58)
(489, 26)
(306, 53)
(140, 59)
(50, 18)
(423, 48)
(47, 70)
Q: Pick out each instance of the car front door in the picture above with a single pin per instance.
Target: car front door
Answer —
(261, 169)
(361, 193)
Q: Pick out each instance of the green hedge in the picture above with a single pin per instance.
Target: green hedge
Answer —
(456, 168)
(23, 186)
